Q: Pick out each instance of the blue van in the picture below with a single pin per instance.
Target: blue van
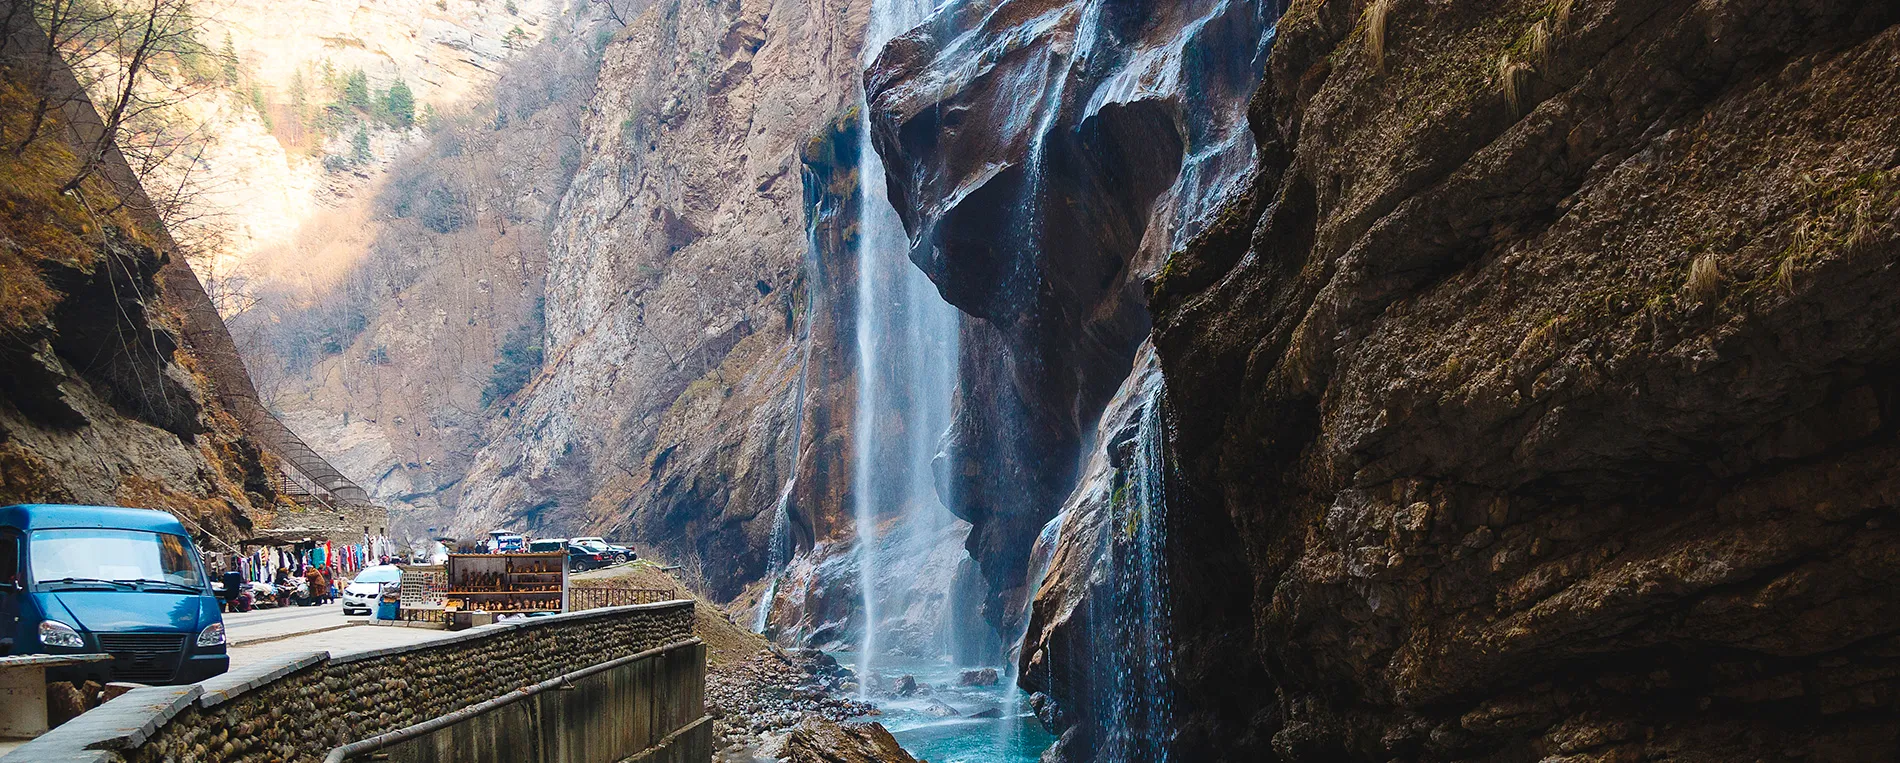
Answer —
(96, 579)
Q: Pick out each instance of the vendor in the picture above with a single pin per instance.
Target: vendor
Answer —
(313, 580)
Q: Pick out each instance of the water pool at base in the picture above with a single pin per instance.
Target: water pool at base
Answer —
(1014, 736)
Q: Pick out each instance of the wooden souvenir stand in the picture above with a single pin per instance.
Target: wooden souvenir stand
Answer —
(505, 584)
(421, 592)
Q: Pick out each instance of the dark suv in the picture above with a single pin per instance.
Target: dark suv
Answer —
(578, 558)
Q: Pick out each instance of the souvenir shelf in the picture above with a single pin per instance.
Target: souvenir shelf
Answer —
(506, 583)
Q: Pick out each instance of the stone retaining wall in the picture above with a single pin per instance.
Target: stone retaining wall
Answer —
(651, 710)
(298, 707)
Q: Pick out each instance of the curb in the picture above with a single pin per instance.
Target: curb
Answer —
(282, 636)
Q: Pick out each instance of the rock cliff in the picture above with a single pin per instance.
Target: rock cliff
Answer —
(1523, 399)
(1045, 156)
(681, 275)
(100, 400)
(1541, 379)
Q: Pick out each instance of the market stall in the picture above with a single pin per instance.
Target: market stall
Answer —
(506, 584)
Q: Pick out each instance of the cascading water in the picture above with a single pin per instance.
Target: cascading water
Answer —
(1064, 101)
(907, 346)
(779, 555)
(1136, 703)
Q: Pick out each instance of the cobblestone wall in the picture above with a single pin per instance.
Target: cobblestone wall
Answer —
(299, 707)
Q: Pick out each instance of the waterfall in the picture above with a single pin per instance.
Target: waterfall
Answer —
(907, 345)
(779, 554)
(1136, 711)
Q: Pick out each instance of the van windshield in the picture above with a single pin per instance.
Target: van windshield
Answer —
(114, 556)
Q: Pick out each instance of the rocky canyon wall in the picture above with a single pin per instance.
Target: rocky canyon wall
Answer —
(419, 317)
(681, 274)
(1046, 156)
(1524, 398)
(101, 402)
(1541, 379)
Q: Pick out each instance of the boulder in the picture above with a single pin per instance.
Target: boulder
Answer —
(816, 740)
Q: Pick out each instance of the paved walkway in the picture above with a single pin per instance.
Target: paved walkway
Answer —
(282, 622)
(341, 641)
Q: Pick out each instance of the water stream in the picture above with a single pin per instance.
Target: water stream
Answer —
(907, 347)
(779, 555)
(1137, 701)
(1006, 735)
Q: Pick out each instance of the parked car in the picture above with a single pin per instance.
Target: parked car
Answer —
(614, 554)
(578, 557)
(361, 594)
(118, 581)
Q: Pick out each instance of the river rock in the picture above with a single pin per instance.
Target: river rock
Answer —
(937, 708)
(816, 740)
(979, 677)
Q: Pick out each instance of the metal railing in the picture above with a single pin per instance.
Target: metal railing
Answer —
(583, 598)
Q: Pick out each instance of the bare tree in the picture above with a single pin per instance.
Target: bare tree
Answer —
(613, 10)
(140, 34)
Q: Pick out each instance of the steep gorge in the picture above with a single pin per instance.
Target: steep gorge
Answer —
(680, 278)
(1535, 387)
(1525, 398)
(1335, 380)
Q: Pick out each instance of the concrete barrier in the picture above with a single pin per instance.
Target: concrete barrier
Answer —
(300, 707)
(650, 707)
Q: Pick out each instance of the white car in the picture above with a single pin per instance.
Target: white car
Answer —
(363, 591)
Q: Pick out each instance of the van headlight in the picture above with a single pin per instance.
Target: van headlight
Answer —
(56, 633)
(212, 635)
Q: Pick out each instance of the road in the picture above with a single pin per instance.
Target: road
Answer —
(262, 624)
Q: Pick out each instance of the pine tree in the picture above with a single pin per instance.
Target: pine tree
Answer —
(227, 57)
(299, 97)
(356, 90)
(359, 147)
(261, 106)
(399, 106)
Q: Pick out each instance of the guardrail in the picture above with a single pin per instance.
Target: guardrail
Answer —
(583, 598)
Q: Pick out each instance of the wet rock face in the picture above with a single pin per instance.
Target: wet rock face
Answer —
(1044, 154)
(1095, 650)
(1551, 417)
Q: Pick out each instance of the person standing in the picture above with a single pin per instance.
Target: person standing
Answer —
(313, 584)
(328, 574)
(233, 585)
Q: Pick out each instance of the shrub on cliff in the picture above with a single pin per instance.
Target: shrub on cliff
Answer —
(398, 107)
(519, 359)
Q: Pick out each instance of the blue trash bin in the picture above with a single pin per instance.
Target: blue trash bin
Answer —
(386, 610)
